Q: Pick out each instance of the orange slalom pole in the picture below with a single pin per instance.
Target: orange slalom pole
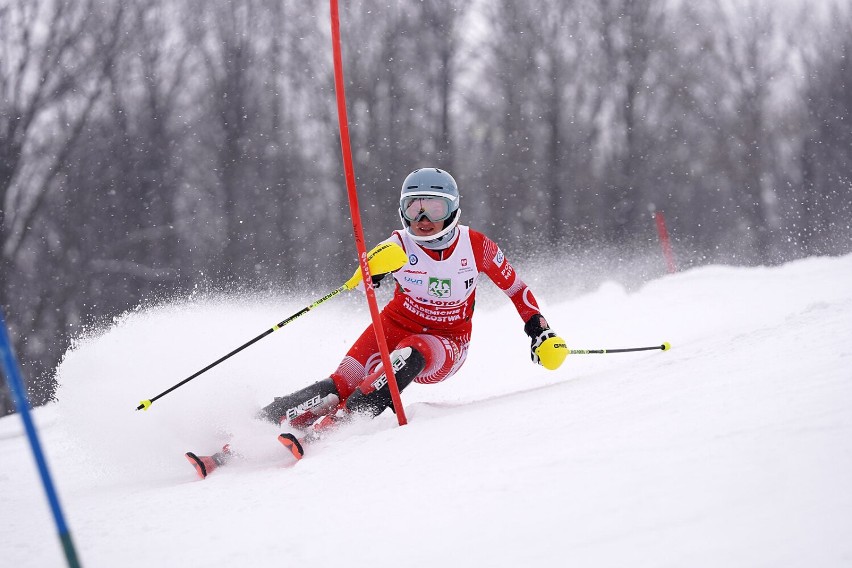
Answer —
(357, 228)
(665, 242)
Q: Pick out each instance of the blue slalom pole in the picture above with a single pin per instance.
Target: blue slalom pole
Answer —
(22, 403)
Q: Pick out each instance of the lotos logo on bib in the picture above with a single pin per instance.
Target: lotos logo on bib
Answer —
(439, 287)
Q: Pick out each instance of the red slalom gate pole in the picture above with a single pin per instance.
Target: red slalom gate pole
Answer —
(665, 242)
(357, 228)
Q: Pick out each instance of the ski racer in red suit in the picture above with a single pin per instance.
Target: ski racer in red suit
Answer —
(427, 323)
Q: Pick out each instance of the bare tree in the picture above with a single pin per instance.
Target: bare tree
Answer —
(141, 139)
(42, 74)
(506, 115)
(745, 63)
(52, 55)
(400, 94)
(821, 217)
(631, 39)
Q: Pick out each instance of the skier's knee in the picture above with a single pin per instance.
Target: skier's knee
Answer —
(373, 395)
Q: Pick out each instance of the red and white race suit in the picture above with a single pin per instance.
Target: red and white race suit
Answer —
(432, 306)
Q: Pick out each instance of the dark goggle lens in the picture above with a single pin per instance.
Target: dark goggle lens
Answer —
(433, 208)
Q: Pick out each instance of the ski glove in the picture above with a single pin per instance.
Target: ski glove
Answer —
(377, 279)
(547, 348)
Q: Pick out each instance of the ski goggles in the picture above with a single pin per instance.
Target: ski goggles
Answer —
(434, 208)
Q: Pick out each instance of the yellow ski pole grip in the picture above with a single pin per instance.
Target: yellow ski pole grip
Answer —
(386, 257)
(552, 353)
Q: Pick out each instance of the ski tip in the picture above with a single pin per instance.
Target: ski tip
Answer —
(292, 443)
(196, 462)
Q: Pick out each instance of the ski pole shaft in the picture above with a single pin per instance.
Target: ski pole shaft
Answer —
(146, 403)
(664, 347)
(385, 258)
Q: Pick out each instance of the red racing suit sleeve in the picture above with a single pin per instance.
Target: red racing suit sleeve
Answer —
(491, 261)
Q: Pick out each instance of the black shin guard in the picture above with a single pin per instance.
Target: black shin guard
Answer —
(407, 363)
(294, 405)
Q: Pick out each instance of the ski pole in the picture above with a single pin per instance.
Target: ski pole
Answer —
(387, 257)
(664, 347)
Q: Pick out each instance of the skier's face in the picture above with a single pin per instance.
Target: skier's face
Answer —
(424, 227)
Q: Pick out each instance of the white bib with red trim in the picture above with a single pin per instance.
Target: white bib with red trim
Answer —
(438, 288)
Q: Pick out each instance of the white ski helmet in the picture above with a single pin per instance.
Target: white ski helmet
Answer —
(432, 193)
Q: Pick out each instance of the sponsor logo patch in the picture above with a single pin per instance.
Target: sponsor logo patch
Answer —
(499, 258)
(302, 408)
(439, 287)
(412, 259)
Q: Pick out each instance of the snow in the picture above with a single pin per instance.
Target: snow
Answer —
(732, 449)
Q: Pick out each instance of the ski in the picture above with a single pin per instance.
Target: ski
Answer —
(293, 444)
(205, 465)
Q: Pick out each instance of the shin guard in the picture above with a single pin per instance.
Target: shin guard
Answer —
(373, 395)
(304, 406)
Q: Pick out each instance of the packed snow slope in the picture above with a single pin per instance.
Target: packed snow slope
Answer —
(733, 449)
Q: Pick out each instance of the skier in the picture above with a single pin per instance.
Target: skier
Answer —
(427, 323)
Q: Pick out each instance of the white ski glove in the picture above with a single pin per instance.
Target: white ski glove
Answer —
(547, 349)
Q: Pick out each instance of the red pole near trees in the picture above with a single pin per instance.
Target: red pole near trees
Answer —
(665, 242)
(357, 228)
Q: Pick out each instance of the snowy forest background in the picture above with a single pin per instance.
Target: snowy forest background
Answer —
(152, 149)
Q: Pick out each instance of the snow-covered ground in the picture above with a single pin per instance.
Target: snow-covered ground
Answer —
(733, 449)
